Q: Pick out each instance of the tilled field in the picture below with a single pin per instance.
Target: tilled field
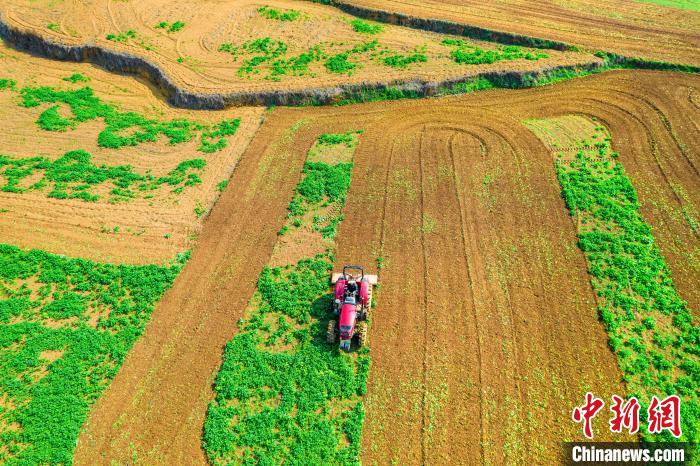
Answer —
(254, 48)
(485, 332)
(630, 28)
(151, 226)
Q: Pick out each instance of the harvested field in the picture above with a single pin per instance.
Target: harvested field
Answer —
(629, 28)
(138, 225)
(486, 316)
(247, 49)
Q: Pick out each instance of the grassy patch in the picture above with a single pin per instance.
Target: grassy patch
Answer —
(692, 5)
(286, 15)
(74, 176)
(364, 27)
(53, 27)
(467, 54)
(283, 394)
(403, 61)
(67, 325)
(77, 78)
(121, 128)
(650, 327)
(177, 26)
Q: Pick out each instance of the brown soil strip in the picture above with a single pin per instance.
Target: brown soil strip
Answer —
(632, 29)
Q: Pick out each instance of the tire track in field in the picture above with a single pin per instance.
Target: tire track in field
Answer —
(475, 316)
(424, 408)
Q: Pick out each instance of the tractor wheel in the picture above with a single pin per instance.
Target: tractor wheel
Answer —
(330, 333)
(362, 334)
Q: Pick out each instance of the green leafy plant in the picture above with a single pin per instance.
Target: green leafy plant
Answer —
(122, 37)
(286, 15)
(365, 28)
(403, 61)
(174, 27)
(77, 78)
(53, 26)
(66, 326)
(467, 54)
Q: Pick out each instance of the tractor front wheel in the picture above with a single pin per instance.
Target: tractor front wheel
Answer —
(330, 333)
(362, 334)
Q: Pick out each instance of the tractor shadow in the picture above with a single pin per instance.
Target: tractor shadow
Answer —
(322, 311)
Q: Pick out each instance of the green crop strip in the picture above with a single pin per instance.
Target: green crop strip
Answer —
(650, 327)
(65, 327)
(73, 175)
(271, 13)
(467, 54)
(121, 128)
(284, 395)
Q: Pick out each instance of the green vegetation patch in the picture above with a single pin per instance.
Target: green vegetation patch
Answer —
(467, 54)
(650, 327)
(364, 27)
(403, 61)
(65, 327)
(77, 78)
(121, 128)
(340, 63)
(283, 394)
(74, 176)
(174, 27)
(122, 37)
(53, 27)
(693, 5)
(286, 15)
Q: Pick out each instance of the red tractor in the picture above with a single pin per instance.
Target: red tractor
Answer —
(352, 300)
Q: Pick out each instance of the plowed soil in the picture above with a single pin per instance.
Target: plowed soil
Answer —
(485, 334)
(149, 230)
(625, 27)
(191, 56)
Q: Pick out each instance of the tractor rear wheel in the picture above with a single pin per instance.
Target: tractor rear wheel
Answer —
(362, 334)
(330, 333)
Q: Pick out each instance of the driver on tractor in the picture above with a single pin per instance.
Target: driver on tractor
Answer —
(351, 289)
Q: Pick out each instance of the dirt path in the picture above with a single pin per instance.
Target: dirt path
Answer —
(153, 411)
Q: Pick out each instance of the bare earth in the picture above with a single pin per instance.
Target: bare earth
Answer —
(191, 56)
(471, 330)
(626, 27)
(86, 229)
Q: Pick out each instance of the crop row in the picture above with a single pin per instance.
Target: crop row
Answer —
(121, 128)
(65, 327)
(283, 394)
(650, 327)
(73, 176)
